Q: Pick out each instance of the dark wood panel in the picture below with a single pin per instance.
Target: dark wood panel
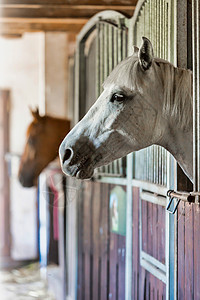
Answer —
(196, 251)
(144, 225)
(161, 234)
(60, 11)
(121, 267)
(80, 215)
(101, 254)
(96, 205)
(13, 26)
(71, 2)
(135, 286)
(87, 226)
(149, 228)
(181, 251)
(153, 230)
(144, 284)
(104, 241)
(189, 252)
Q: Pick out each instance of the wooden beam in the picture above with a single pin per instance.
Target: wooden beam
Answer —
(75, 2)
(12, 26)
(60, 11)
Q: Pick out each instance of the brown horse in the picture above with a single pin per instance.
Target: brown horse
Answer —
(44, 136)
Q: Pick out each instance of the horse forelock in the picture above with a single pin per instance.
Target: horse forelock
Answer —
(126, 70)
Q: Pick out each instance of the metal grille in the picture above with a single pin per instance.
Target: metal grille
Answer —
(112, 41)
(152, 22)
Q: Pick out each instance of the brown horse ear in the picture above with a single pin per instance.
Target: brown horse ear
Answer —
(35, 113)
(145, 54)
(135, 49)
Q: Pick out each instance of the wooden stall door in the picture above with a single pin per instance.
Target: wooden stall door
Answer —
(4, 179)
(101, 253)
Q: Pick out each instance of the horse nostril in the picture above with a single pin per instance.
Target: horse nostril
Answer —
(68, 154)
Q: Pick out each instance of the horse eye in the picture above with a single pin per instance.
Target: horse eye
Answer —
(118, 97)
(30, 141)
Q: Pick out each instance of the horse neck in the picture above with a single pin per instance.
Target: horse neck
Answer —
(178, 137)
(60, 127)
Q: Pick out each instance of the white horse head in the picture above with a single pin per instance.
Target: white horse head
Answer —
(145, 101)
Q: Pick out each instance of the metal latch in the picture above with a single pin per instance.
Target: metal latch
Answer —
(180, 196)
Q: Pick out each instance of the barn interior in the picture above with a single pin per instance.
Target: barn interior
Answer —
(59, 238)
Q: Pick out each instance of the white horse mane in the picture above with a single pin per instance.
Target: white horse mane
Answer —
(176, 83)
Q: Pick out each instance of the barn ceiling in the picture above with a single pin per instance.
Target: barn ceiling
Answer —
(19, 16)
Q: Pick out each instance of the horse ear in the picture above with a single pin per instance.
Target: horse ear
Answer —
(135, 49)
(145, 54)
(35, 113)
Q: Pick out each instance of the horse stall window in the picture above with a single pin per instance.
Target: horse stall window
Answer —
(99, 51)
(101, 253)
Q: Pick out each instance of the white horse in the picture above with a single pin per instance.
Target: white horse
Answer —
(145, 101)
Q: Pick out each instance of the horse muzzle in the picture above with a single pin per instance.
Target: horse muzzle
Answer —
(77, 163)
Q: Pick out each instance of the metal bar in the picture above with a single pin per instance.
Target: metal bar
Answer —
(196, 96)
(181, 196)
(184, 196)
(112, 180)
(158, 189)
(98, 61)
(153, 198)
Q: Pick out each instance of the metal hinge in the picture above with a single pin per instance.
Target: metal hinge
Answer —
(191, 197)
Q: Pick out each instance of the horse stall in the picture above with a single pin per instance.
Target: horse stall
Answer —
(151, 254)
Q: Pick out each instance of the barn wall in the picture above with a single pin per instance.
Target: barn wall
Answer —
(19, 60)
(55, 73)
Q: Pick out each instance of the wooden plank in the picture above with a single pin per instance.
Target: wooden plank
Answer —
(96, 202)
(80, 221)
(155, 230)
(144, 225)
(196, 251)
(104, 241)
(181, 251)
(121, 267)
(60, 11)
(74, 2)
(20, 26)
(113, 283)
(161, 234)
(135, 285)
(88, 194)
(150, 228)
(113, 262)
(189, 251)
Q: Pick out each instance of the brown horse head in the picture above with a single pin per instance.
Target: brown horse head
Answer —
(43, 138)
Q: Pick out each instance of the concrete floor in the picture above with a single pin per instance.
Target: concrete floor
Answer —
(26, 283)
